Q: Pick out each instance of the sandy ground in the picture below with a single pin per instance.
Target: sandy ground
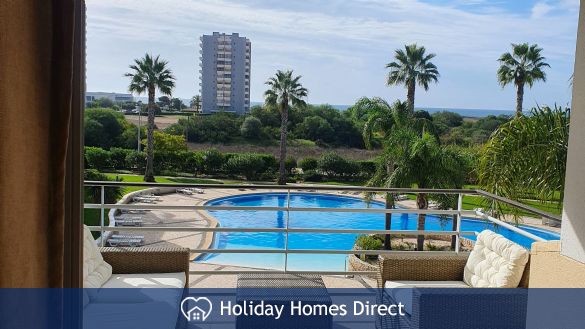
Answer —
(198, 240)
(161, 122)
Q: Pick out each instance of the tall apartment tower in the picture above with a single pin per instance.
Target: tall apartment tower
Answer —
(225, 73)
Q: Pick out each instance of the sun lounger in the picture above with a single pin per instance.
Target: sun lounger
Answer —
(134, 211)
(142, 199)
(184, 191)
(125, 242)
(129, 221)
(198, 190)
(127, 236)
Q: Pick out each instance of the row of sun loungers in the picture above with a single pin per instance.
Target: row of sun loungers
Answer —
(190, 191)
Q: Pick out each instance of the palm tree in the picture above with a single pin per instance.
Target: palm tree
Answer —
(196, 103)
(412, 66)
(527, 157)
(285, 90)
(524, 65)
(384, 119)
(420, 160)
(149, 74)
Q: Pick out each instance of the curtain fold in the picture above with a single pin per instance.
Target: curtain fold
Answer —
(36, 102)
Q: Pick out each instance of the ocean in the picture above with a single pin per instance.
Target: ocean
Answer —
(468, 113)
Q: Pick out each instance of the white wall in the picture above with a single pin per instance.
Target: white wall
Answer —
(573, 226)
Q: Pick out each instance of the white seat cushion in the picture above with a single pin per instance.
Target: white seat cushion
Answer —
(148, 280)
(495, 262)
(401, 291)
(170, 290)
(147, 315)
(95, 270)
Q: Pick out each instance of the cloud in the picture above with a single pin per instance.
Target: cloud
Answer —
(540, 9)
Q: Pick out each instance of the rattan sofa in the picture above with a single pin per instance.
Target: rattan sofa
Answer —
(132, 272)
(145, 260)
(441, 304)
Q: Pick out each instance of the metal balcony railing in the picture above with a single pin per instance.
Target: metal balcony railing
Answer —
(459, 213)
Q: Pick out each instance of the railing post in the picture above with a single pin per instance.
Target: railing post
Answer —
(102, 212)
(286, 231)
(458, 236)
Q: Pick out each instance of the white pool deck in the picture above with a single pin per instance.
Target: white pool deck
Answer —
(203, 240)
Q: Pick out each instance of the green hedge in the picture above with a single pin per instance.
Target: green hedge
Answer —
(211, 162)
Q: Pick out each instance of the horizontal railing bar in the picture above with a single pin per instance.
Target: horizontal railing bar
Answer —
(293, 209)
(511, 227)
(221, 272)
(303, 251)
(283, 187)
(519, 205)
(278, 230)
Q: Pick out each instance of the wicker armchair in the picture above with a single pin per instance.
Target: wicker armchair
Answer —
(147, 260)
(444, 307)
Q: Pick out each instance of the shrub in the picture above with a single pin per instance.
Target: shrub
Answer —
(118, 157)
(251, 128)
(248, 165)
(367, 168)
(332, 164)
(270, 163)
(92, 194)
(311, 176)
(136, 161)
(192, 162)
(308, 164)
(369, 242)
(289, 164)
(97, 158)
(213, 161)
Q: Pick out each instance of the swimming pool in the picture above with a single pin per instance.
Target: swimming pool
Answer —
(320, 241)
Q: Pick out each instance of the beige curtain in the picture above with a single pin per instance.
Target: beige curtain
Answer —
(38, 94)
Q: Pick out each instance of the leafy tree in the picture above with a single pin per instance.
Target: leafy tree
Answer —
(450, 119)
(412, 66)
(164, 101)
(177, 104)
(315, 128)
(149, 74)
(167, 143)
(285, 90)
(251, 128)
(216, 128)
(332, 164)
(527, 156)
(103, 127)
(524, 65)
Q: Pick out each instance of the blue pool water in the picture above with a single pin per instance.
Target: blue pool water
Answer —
(337, 220)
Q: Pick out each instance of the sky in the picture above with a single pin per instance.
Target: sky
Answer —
(341, 47)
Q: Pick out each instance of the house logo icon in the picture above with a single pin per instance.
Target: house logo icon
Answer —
(196, 308)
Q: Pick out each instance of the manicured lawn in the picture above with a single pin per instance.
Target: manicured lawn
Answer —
(159, 179)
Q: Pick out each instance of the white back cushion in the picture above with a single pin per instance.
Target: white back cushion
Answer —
(95, 270)
(495, 262)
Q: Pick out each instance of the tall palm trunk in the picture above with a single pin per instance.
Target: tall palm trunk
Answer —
(149, 173)
(283, 133)
(388, 221)
(519, 98)
(410, 95)
(421, 203)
